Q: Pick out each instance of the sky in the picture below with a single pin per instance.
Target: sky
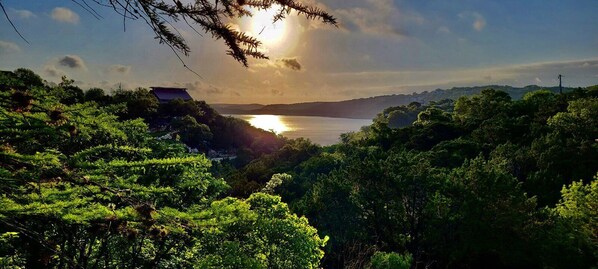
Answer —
(381, 47)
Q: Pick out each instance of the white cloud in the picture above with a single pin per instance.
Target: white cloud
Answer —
(52, 71)
(375, 18)
(8, 47)
(23, 13)
(65, 15)
(443, 30)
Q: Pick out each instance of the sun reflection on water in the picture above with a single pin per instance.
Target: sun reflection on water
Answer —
(270, 123)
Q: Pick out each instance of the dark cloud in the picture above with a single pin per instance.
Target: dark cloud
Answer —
(119, 69)
(72, 61)
(291, 63)
(203, 88)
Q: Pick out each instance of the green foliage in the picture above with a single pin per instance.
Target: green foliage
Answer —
(383, 260)
(139, 103)
(471, 111)
(27, 78)
(81, 187)
(486, 184)
(97, 95)
(476, 186)
(192, 133)
(275, 181)
(431, 115)
(249, 179)
(266, 227)
(485, 216)
(579, 205)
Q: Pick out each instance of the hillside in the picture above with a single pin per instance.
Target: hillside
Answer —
(368, 108)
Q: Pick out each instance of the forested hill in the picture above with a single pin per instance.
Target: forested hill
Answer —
(368, 108)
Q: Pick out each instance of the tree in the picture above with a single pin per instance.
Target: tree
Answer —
(140, 103)
(192, 133)
(209, 16)
(28, 77)
(82, 188)
(579, 204)
(383, 260)
(97, 95)
(472, 111)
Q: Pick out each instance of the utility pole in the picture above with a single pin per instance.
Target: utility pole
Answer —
(560, 84)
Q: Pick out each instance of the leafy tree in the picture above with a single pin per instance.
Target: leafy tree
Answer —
(382, 260)
(192, 133)
(485, 216)
(139, 103)
(69, 93)
(471, 111)
(579, 205)
(28, 78)
(97, 95)
(570, 142)
(432, 114)
(79, 187)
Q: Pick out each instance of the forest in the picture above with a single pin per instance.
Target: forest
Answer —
(483, 181)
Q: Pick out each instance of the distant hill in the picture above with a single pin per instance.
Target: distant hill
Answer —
(368, 108)
(236, 109)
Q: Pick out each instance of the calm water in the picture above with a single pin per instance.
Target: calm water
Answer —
(322, 130)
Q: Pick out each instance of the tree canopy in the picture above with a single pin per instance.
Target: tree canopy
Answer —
(81, 187)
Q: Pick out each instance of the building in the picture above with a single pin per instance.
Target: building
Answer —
(166, 95)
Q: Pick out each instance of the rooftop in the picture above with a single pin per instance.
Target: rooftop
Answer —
(166, 95)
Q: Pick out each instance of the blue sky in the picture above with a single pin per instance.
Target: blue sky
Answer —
(381, 47)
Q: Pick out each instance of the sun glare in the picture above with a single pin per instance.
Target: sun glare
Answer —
(269, 123)
(266, 31)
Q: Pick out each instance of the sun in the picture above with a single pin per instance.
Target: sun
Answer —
(271, 123)
(263, 28)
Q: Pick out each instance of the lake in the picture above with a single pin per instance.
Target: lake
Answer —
(321, 130)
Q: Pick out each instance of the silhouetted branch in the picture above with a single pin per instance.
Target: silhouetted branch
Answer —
(10, 21)
(210, 15)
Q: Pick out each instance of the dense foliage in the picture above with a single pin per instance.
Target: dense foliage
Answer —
(81, 187)
(483, 182)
